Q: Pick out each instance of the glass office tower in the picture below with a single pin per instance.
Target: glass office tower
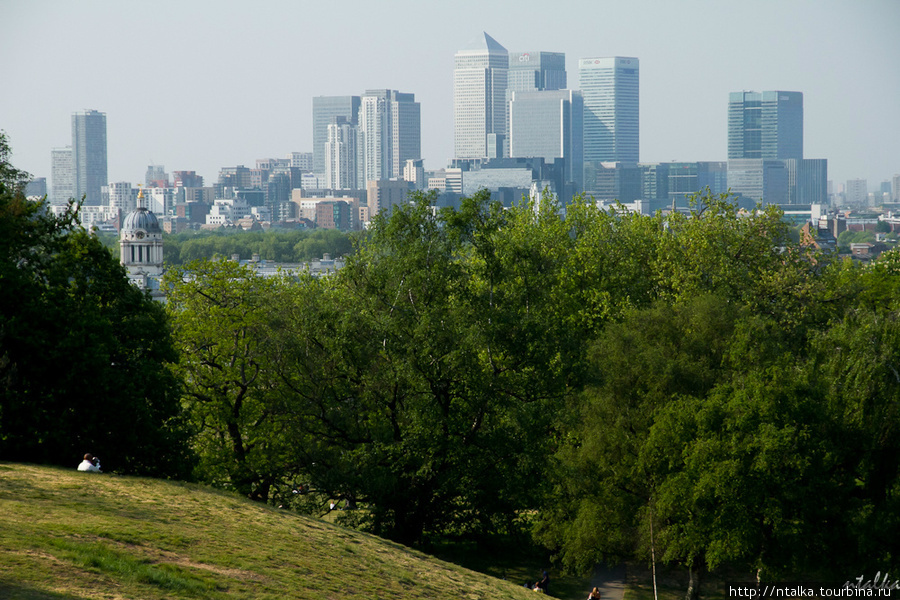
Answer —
(533, 71)
(767, 125)
(62, 175)
(89, 155)
(479, 98)
(325, 109)
(611, 89)
(548, 124)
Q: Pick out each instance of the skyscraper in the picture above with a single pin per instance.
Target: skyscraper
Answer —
(611, 89)
(89, 154)
(766, 125)
(765, 150)
(342, 156)
(479, 98)
(549, 124)
(325, 109)
(62, 175)
(533, 71)
(389, 133)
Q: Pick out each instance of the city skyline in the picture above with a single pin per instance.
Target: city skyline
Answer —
(172, 104)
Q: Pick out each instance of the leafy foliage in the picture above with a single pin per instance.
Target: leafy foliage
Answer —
(277, 246)
(760, 380)
(223, 315)
(83, 354)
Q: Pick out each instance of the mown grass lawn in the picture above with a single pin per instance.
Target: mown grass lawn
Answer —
(66, 535)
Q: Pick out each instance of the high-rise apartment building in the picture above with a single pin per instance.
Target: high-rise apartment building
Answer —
(122, 196)
(549, 124)
(390, 133)
(89, 154)
(479, 99)
(342, 156)
(767, 125)
(385, 195)
(62, 175)
(611, 89)
(324, 111)
(156, 176)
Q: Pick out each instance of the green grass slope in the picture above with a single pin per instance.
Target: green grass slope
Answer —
(66, 535)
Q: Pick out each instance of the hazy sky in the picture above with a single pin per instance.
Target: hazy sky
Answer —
(198, 85)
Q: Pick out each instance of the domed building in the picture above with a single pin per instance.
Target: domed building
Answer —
(141, 248)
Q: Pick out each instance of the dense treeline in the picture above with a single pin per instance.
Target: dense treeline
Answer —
(698, 388)
(284, 246)
(287, 246)
(598, 377)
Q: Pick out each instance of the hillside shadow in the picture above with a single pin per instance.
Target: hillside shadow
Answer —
(13, 591)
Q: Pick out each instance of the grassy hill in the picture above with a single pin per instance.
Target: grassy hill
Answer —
(66, 535)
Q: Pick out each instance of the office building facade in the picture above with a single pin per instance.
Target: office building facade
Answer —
(611, 90)
(534, 71)
(390, 133)
(856, 192)
(324, 111)
(766, 125)
(759, 180)
(765, 150)
(62, 176)
(89, 155)
(807, 180)
(688, 178)
(479, 99)
(549, 124)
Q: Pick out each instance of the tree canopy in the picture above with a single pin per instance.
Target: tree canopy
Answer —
(83, 353)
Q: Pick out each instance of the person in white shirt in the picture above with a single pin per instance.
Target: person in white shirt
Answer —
(90, 464)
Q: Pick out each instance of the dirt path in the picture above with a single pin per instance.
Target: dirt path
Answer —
(610, 580)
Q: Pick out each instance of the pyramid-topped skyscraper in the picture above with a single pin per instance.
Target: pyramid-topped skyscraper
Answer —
(479, 98)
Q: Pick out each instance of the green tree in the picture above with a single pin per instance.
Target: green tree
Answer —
(428, 380)
(223, 317)
(83, 353)
(604, 485)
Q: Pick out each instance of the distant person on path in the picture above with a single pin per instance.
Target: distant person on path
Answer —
(90, 464)
(594, 595)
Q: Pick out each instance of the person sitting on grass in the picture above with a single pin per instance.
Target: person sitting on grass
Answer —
(90, 464)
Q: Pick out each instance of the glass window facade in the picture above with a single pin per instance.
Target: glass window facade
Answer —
(611, 89)
(89, 155)
(766, 125)
(325, 109)
(480, 78)
(548, 125)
